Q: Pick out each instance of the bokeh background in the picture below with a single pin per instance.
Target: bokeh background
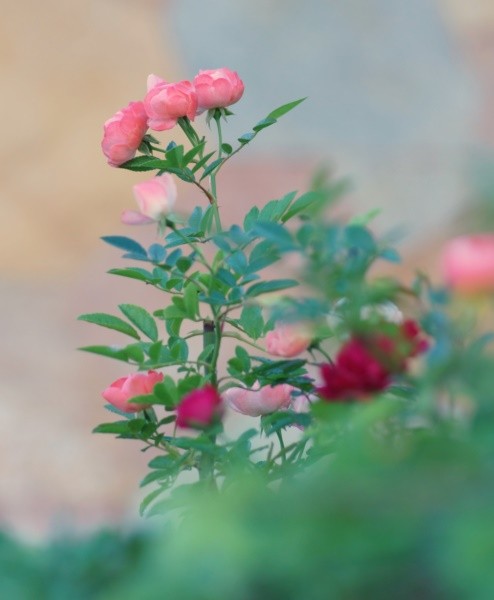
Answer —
(400, 99)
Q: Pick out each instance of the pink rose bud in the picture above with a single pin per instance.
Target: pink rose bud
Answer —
(121, 391)
(200, 408)
(217, 88)
(165, 103)
(155, 198)
(259, 400)
(468, 263)
(123, 133)
(288, 340)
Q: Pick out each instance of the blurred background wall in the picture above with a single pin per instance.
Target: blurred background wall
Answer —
(400, 98)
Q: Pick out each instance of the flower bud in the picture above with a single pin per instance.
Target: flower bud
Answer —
(200, 408)
(468, 263)
(121, 391)
(155, 198)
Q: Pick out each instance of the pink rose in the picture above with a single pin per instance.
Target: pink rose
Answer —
(468, 263)
(155, 198)
(288, 340)
(124, 389)
(217, 88)
(123, 133)
(259, 400)
(165, 103)
(200, 408)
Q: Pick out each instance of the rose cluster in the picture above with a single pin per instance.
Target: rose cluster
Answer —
(365, 364)
(163, 105)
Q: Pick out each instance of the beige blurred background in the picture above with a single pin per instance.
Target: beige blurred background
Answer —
(66, 67)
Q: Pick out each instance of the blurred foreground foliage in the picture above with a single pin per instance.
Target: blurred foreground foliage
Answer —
(406, 517)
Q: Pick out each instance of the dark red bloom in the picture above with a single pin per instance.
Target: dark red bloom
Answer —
(365, 364)
(200, 408)
(355, 374)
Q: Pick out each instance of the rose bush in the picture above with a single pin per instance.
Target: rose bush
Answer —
(352, 351)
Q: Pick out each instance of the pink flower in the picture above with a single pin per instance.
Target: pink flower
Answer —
(468, 263)
(165, 103)
(200, 408)
(124, 389)
(155, 198)
(288, 340)
(217, 88)
(259, 400)
(123, 133)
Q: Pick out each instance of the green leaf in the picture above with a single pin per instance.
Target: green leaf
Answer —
(144, 163)
(119, 427)
(277, 234)
(108, 351)
(226, 148)
(265, 287)
(193, 152)
(191, 301)
(141, 319)
(202, 162)
(125, 243)
(211, 167)
(166, 392)
(136, 273)
(171, 312)
(110, 322)
(285, 108)
(301, 204)
(264, 123)
(366, 218)
(247, 137)
(251, 321)
(148, 499)
(251, 218)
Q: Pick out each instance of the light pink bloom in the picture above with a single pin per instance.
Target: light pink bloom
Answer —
(259, 400)
(165, 103)
(121, 391)
(468, 263)
(155, 198)
(200, 408)
(217, 88)
(123, 133)
(288, 340)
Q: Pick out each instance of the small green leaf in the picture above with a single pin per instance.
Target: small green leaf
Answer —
(263, 124)
(277, 234)
(108, 351)
(144, 163)
(301, 204)
(265, 287)
(110, 322)
(141, 319)
(251, 321)
(247, 137)
(125, 243)
(136, 273)
(285, 108)
(211, 167)
(191, 301)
